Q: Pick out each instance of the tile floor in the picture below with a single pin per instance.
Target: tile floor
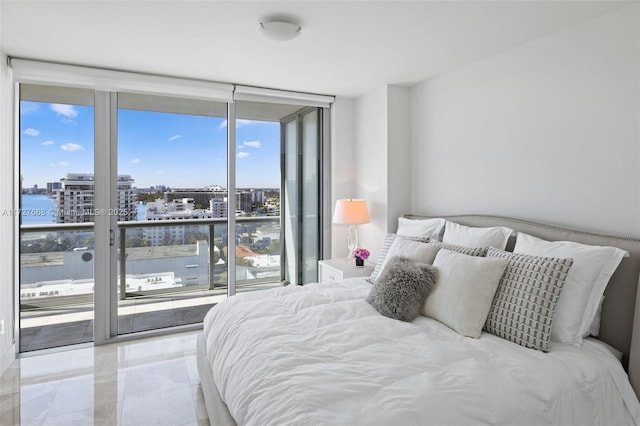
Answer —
(144, 382)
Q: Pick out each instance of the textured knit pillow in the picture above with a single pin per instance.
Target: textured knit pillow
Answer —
(402, 288)
(470, 251)
(592, 268)
(384, 251)
(524, 304)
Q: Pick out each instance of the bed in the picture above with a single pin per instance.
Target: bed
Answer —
(320, 354)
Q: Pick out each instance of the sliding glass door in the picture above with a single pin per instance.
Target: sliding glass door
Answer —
(140, 211)
(57, 188)
(301, 145)
(171, 197)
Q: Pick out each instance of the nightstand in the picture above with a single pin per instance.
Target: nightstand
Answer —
(332, 270)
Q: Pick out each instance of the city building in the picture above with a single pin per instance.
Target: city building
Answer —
(75, 203)
(202, 196)
(178, 209)
(53, 186)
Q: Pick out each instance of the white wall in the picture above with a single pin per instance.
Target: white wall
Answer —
(7, 348)
(380, 164)
(369, 165)
(549, 131)
(342, 183)
(398, 154)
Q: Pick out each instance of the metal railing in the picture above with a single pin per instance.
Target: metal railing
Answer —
(128, 226)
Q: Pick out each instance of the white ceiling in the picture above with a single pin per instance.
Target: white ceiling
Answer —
(346, 47)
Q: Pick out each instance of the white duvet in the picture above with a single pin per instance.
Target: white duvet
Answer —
(321, 355)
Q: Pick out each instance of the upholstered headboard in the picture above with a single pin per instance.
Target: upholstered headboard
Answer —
(618, 312)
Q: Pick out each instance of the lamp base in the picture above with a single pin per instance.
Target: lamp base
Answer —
(352, 238)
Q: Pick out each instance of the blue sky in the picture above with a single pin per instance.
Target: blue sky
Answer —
(176, 150)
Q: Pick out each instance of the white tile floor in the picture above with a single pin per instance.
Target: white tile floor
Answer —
(145, 382)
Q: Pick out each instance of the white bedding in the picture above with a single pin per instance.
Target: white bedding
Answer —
(320, 354)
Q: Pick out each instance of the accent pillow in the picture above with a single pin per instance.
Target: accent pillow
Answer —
(384, 253)
(402, 288)
(470, 251)
(468, 236)
(524, 304)
(421, 228)
(466, 286)
(413, 250)
(584, 286)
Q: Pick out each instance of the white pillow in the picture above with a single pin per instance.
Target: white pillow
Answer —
(588, 277)
(468, 236)
(423, 228)
(415, 251)
(463, 294)
(387, 242)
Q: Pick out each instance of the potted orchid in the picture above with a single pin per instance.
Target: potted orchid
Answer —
(361, 254)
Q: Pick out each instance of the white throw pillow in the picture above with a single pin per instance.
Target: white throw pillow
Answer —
(384, 253)
(464, 291)
(415, 251)
(468, 236)
(585, 284)
(423, 228)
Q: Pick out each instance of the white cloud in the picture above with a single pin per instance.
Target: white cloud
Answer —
(253, 144)
(31, 132)
(63, 163)
(160, 172)
(71, 147)
(174, 137)
(239, 123)
(64, 110)
(135, 161)
(52, 164)
(243, 154)
(46, 143)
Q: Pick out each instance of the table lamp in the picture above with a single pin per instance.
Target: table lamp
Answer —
(351, 212)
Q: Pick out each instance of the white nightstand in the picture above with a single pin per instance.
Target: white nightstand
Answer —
(332, 270)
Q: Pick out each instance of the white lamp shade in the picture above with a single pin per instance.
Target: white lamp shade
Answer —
(350, 212)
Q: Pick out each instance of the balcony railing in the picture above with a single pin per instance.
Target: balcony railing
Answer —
(126, 229)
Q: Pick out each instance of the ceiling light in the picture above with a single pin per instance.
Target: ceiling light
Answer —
(280, 30)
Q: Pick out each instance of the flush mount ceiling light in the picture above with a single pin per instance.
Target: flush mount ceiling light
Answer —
(280, 30)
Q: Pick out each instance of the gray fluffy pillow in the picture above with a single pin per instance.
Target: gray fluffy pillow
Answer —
(402, 288)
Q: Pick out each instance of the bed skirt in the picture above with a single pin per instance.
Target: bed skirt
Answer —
(216, 408)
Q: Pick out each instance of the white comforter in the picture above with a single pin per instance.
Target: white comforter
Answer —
(321, 355)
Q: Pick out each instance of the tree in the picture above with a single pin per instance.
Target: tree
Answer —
(136, 242)
(243, 261)
(150, 197)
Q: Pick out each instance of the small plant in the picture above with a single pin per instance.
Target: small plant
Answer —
(361, 253)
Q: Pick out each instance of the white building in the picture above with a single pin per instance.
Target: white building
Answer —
(75, 201)
(180, 209)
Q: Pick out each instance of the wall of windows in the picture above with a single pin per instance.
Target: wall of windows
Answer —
(160, 198)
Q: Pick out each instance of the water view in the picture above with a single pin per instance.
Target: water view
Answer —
(40, 208)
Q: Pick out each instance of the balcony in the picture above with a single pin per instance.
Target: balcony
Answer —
(169, 274)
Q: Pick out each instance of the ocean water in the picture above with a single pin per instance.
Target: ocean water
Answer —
(37, 209)
(40, 209)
